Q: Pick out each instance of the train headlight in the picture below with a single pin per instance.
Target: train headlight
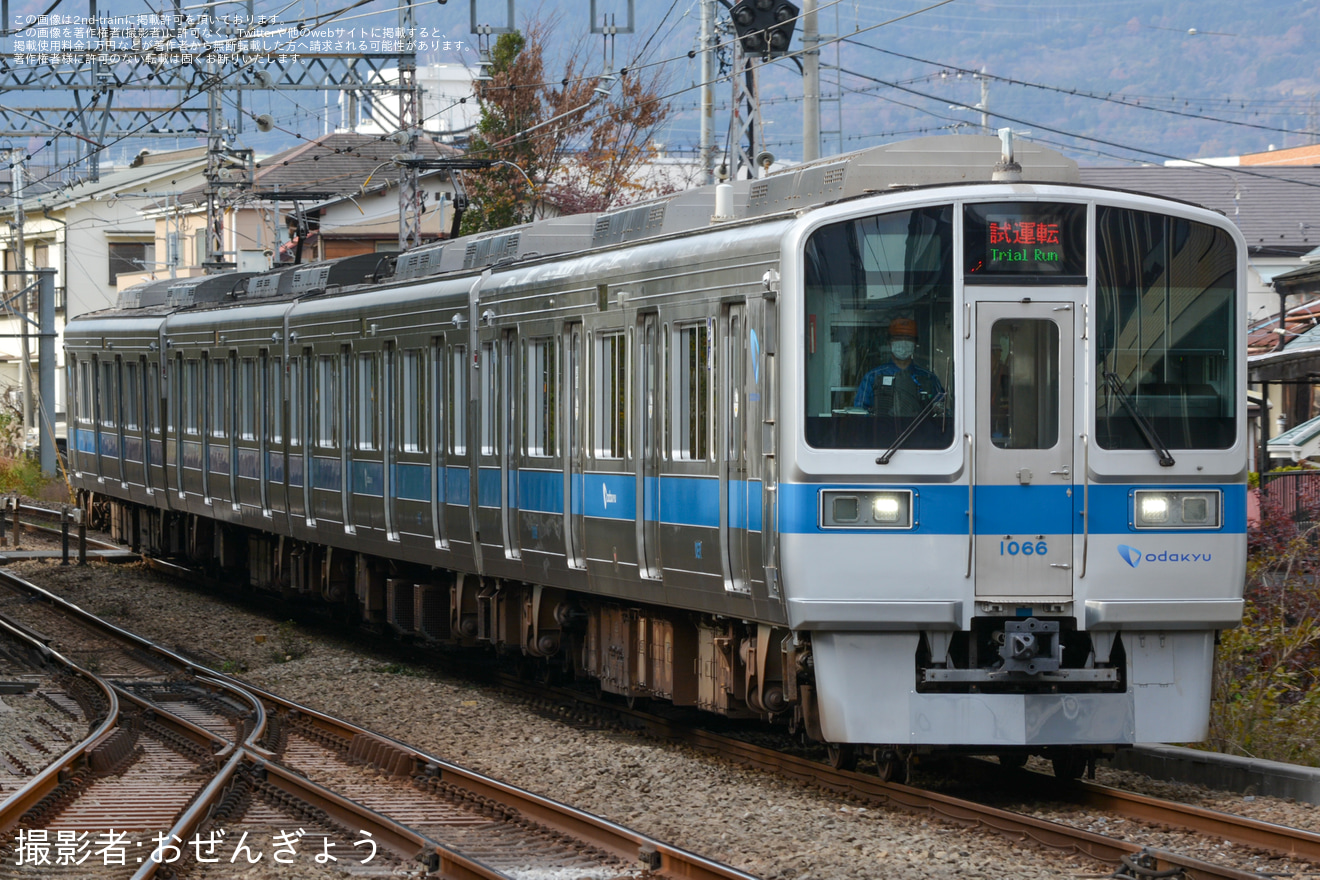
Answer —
(1154, 509)
(886, 509)
(1160, 509)
(879, 509)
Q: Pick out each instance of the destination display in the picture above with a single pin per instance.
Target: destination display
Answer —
(1025, 242)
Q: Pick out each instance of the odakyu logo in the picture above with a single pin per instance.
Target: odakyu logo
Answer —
(1133, 557)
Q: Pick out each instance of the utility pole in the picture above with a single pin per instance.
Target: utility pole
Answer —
(984, 106)
(707, 91)
(410, 119)
(810, 83)
(20, 265)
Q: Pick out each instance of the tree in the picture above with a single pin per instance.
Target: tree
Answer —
(579, 144)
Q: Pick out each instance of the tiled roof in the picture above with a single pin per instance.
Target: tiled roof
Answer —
(338, 163)
(1277, 208)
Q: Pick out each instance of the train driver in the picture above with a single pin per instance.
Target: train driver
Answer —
(900, 387)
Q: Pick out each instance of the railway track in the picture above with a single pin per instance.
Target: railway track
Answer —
(192, 766)
(1208, 824)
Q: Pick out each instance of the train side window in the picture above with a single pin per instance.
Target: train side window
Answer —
(275, 400)
(434, 399)
(458, 381)
(411, 393)
(132, 397)
(151, 411)
(540, 393)
(192, 397)
(247, 399)
(297, 406)
(109, 395)
(489, 378)
(692, 393)
(327, 400)
(219, 398)
(367, 381)
(611, 389)
(85, 392)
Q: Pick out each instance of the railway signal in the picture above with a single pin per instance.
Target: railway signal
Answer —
(764, 27)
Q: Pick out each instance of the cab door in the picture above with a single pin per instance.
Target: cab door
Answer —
(1023, 439)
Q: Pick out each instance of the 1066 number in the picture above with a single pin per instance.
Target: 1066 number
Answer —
(1022, 548)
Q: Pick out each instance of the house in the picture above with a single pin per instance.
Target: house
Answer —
(91, 232)
(336, 195)
(1275, 208)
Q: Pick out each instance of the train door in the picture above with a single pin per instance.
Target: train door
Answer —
(207, 413)
(386, 401)
(437, 408)
(733, 447)
(507, 412)
(234, 408)
(144, 417)
(574, 417)
(1023, 476)
(266, 427)
(98, 415)
(346, 439)
(116, 386)
(649, 400)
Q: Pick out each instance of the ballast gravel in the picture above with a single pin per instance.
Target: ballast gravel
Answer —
(751, 820)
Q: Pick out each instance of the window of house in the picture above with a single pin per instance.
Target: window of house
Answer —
(131, 256)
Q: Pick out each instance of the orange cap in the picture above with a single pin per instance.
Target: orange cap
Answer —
(903, 327)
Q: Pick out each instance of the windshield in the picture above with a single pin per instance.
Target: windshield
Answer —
(1166, 324)
(878, 324)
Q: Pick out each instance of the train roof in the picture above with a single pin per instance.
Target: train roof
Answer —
(941, 160)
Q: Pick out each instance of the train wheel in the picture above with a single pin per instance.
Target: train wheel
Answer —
(1013, 760)
(890, 766)
(1068, 765)
(841, 756)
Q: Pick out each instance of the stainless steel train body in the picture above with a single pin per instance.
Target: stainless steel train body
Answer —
(677, 456)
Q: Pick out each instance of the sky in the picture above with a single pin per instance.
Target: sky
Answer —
(1107, 81)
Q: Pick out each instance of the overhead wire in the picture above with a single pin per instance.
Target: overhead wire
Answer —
(1080, 93)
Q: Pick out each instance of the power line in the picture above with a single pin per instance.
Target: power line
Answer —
(1080, 93)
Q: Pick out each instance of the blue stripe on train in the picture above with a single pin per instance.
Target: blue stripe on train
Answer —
(688, 501)
(1010, 510)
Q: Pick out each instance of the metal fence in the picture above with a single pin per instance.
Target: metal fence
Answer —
(1294, 496)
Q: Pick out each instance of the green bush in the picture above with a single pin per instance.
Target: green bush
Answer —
(22, 475)
(1267, 671)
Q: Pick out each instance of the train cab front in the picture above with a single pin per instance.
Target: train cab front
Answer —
(1013, 518)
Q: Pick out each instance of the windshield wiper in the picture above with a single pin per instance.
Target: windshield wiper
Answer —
(907, 432)
(1147, 429)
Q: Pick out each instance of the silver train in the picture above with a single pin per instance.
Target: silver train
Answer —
(895, 447)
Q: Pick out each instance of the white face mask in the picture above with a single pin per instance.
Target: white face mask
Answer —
(903, 348)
